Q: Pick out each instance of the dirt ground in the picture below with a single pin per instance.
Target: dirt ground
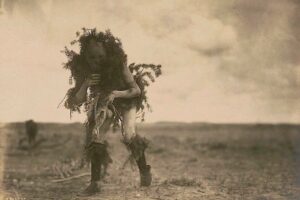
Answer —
(189, 162)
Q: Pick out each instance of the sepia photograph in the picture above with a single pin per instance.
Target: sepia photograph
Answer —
(150, 100)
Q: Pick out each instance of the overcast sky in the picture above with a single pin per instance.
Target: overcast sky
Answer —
(223, 61)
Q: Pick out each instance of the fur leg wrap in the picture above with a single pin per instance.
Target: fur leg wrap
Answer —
(100, 159)
(137, 146)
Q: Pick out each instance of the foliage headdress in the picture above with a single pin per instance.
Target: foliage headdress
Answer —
(142, 73)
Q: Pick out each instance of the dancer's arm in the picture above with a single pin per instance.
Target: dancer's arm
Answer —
(133, 89)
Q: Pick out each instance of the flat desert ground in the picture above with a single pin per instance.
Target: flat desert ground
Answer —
(190, 161)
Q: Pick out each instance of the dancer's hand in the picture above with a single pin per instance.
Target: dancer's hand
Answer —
(111, 97)
(94, 79)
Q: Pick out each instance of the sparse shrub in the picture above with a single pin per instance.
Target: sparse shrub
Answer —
(183, 182)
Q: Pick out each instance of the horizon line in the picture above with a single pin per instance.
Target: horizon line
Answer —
(168, 122)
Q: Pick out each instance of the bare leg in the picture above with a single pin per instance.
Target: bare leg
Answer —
(129, 120)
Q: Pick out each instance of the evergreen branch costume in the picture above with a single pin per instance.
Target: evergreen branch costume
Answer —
(143, 74)
(96, 105)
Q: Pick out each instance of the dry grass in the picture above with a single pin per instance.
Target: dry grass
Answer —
(196, 161)
(183, 182)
